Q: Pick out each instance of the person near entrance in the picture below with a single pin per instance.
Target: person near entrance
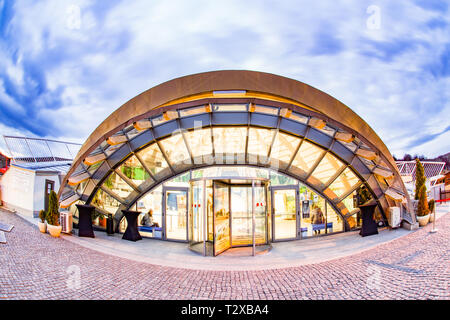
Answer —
(147, 220)
(317, 218)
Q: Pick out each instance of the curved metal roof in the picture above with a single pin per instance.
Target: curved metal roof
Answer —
(286, 94)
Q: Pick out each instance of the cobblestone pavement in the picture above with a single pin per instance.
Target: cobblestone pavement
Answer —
(36, 266)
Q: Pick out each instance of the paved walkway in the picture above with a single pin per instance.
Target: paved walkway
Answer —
(36, 266)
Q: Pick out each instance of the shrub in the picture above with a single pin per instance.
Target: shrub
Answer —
(420, 178)
(431, 205)
(422, 206)
(52, 216)
(42, 215)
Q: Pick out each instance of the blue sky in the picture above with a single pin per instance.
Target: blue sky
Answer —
(66, 65)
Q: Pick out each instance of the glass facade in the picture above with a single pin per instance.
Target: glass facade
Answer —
(312, 176)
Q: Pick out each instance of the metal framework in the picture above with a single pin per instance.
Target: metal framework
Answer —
(29, 150)
(286, 119)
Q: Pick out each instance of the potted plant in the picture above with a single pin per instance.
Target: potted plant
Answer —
(431, 205)
(52, 216)
(101, 218)
(42, 225)
(423, 212)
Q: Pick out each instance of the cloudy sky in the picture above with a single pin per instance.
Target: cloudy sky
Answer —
(66, 65)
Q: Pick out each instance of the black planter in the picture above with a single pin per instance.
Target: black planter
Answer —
(131, 233)
(369, 226)
(110, 225)
(85, 228)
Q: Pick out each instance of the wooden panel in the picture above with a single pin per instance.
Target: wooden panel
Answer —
(115, 140)
(367, 154)
(94, 159)
(69, 201)
(73, 181)
(317, 123)
(344, 136)
(142, 125)
(385, 173)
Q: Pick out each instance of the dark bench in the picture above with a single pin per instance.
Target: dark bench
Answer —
(321, 226)
(149, 229)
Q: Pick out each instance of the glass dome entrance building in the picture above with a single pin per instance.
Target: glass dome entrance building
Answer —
(317, 155)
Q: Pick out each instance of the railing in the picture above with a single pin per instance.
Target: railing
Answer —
(444, 196)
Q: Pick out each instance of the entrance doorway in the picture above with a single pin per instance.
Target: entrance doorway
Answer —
(285, 217)
(227, 213)
(49, 187)
(175, 213)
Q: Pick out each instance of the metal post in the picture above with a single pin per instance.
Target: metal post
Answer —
(204, 218)
(434, 230)
(253, 217)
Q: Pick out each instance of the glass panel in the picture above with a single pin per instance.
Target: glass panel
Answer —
(158, 120)
(150, 221)
(327, 169)
(265, 109)
(222, 239)
(90, 186)
(81, 186)
(355, 221)
(193, 111)
(104, 201)
(350, 202)
(179, 181)
(133, 133)
(229, 107)
(305, 158)
(209, 217)
(133, 170)
(196, 217)
(259, 141)
(117, 185)
(228, 142)
(312, 213)
(176, 214)
(111, 149)
(260, 215)
(277, 179)
(94, 167)
(298, 117)
(154, 160)
(328, 130)
(283, 149)
(342, 185)
(369, 163)
(350, 145)
(74, 210)
(241, 218)
(335, 223)
(176, 151)
(285, 226)
(200, 143)
(230, 171)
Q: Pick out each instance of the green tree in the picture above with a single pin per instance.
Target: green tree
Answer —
(420, 178)
(42, 215)
(52, 216)
(422, 206)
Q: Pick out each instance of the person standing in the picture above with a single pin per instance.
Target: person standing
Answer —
(317, 218)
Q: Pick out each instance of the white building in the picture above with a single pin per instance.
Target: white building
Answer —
(37, 167)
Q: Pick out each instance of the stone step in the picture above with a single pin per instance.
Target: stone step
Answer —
(6, 227)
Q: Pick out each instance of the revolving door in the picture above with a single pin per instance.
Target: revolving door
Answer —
(228, 213)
